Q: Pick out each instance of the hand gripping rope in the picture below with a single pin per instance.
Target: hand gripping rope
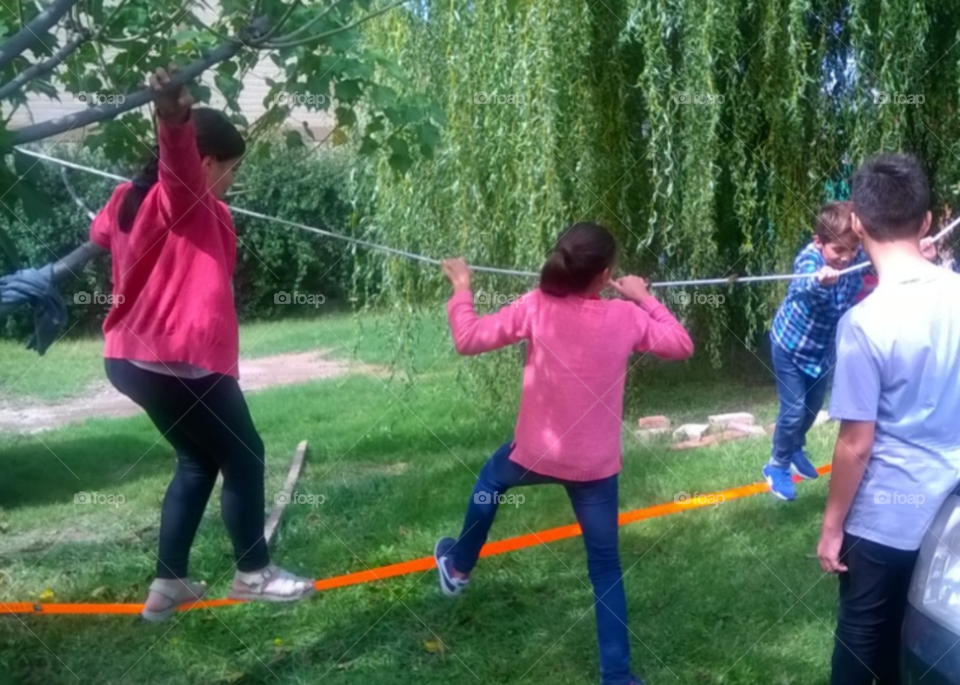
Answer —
(730, 280)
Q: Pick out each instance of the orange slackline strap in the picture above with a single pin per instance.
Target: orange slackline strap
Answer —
(423, 563)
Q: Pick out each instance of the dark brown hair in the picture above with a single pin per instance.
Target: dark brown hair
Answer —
(582, 252)
(216, 136)
(891, 196)
(835, 222)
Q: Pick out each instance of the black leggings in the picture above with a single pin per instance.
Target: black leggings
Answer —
(208, 423)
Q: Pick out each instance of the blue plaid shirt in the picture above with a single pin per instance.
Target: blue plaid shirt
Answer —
(806, 323)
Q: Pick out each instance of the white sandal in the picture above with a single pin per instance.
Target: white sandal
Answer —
(175, 591)
(271, 584)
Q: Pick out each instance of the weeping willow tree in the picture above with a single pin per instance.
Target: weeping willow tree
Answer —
(704, 133)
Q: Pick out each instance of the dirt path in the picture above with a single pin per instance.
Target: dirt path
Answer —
(102, 401)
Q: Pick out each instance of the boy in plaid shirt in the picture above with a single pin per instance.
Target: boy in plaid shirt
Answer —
(803, 340)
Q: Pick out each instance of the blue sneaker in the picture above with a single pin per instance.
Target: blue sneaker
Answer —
(801, 466)
(780, 482)
(450, 585)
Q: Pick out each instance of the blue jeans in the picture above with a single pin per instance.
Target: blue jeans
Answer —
(595, 504)
(801, 399)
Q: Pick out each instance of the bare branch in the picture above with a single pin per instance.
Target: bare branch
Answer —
(283, 20)
(279, 45)
(45, 66)
(310, 24)
(135, 100)
(31, 32)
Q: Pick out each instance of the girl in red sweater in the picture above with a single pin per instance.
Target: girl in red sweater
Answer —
(172, 344)
(571, 411)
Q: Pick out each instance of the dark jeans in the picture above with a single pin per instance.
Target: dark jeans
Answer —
(873, 599)
(595, 504)
(801, 399)
(208, 423)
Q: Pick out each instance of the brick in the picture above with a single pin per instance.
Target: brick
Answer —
(708, 440)
(724, 420)
(654, 422)
(690, 431)
(750, 430)
(648, 434)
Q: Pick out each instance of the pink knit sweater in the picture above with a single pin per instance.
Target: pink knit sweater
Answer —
(577, 351)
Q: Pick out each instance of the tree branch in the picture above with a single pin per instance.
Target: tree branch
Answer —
(31, 32)
(283, 20)
(309, 24)
(44, 67)
(135, 100)
(327, 34)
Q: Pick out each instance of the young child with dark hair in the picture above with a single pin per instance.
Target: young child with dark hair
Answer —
(897, 455)
(569, 427)
(172, 345)
(802, 341)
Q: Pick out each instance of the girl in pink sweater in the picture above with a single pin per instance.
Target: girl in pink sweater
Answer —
(172, 344)
(568, 429)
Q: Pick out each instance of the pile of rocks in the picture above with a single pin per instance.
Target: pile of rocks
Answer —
(719, 428)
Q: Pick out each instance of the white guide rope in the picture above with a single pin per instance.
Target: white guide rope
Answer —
(436, 262)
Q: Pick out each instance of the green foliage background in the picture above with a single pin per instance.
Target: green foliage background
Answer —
(690, 190)
(296, 184)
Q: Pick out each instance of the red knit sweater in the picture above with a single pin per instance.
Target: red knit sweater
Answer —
(172, 273)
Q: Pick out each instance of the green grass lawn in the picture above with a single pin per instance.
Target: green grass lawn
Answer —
(730, 594)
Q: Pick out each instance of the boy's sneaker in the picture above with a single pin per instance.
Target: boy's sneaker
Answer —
(801, 466)
(780, 482)
(450, 585)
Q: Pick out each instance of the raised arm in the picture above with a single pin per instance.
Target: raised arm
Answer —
(661, 334)
(68, 267)
(474, 334)
(658, 331)
(180, 172)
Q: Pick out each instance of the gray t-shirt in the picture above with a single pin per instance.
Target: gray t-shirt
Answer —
(898, 364)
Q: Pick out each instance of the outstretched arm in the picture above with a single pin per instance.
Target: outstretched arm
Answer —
(68, 267)
(474, 334)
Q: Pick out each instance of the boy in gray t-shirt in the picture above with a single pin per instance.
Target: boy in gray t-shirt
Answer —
(896, 391)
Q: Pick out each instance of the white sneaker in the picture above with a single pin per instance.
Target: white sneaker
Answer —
(271, 584)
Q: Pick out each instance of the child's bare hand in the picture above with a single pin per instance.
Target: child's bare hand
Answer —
(458, 272)
(828, 276)
(631, 287)
(928, 249)
(173, 102)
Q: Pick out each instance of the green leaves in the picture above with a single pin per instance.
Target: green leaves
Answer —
(349, 90)
(400, 158)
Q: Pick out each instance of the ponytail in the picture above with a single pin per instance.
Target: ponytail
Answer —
(135, 195)
(581, 254)
(216, 137)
